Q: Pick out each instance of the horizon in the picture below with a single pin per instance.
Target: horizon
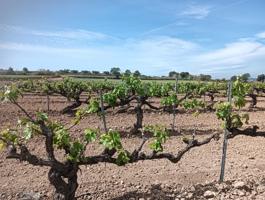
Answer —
(154, 37)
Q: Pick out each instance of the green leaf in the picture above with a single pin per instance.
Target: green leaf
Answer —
(42, 116)
(23, 121)
(30, 129)
(93, 106)
(122, 158)
(223, 110)
(9, 136)
(11, 93)
(110, 98)
(156, 146)
(111, 140)
(27, 131)
(245, 117)
(61, 138)
(2, 145)
(90, 135)
(160, 135)
(75, 151)
(170, 100)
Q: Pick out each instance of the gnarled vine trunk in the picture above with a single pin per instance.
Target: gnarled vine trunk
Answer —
(65, 182)
(71, 107)
(253, 100)
(139, 114)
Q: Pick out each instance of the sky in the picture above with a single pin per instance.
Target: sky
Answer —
(217, 37)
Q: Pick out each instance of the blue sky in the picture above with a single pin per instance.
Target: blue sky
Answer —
(221, 38)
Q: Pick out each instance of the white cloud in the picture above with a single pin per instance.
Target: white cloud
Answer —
(157, 29)
(155, 52)
(77, 34)
(234, 58)
(261, 35)
(151, 55)
(236, 52)
(197, 11)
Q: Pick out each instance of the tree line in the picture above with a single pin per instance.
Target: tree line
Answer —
(116, 72)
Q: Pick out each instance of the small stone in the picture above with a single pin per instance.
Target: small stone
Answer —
(192, 188)
(221, 186)
(190, 195)
(260, 189)
(239, 184)
(138, 187)
(245, 166)
(241, 193)
(209, 194)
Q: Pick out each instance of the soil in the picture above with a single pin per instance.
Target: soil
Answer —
(157, 179)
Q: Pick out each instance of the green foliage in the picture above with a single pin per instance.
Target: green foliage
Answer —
(224, 111)
(90, 135)
(69, 88)
(42, 116)
(170, 100)
(10, 93)
(93, 106)
(30, 129)
(158, 89)
(9, 136)
(121, 91)
(123, 157)
(110, 98)
(160, 137)
(61, 137)
(193, 104)
(2, 145)
(239, 91)
(111, 140)
(76, 149)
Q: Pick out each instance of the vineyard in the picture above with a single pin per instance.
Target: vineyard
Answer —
(67, 139)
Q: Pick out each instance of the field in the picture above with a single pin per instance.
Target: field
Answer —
(147, 179)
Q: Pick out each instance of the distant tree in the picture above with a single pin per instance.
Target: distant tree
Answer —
(25, 70)
(127, 72)
(261, 78)
(10, 70)
(245, 77)
(106, 73)
(173, 74)
(95, 72)
(64, 71)
(44, 72)
(204, 77)
(184, 75)
(233, 78)
(85, 72)
(74, 71)
(136, 73)
(115, 71)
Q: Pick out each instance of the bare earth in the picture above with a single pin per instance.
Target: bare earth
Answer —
(159, 179)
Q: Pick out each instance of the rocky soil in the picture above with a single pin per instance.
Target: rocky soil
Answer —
(193, 177)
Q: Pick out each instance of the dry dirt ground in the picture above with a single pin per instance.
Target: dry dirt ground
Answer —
(157, 179)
